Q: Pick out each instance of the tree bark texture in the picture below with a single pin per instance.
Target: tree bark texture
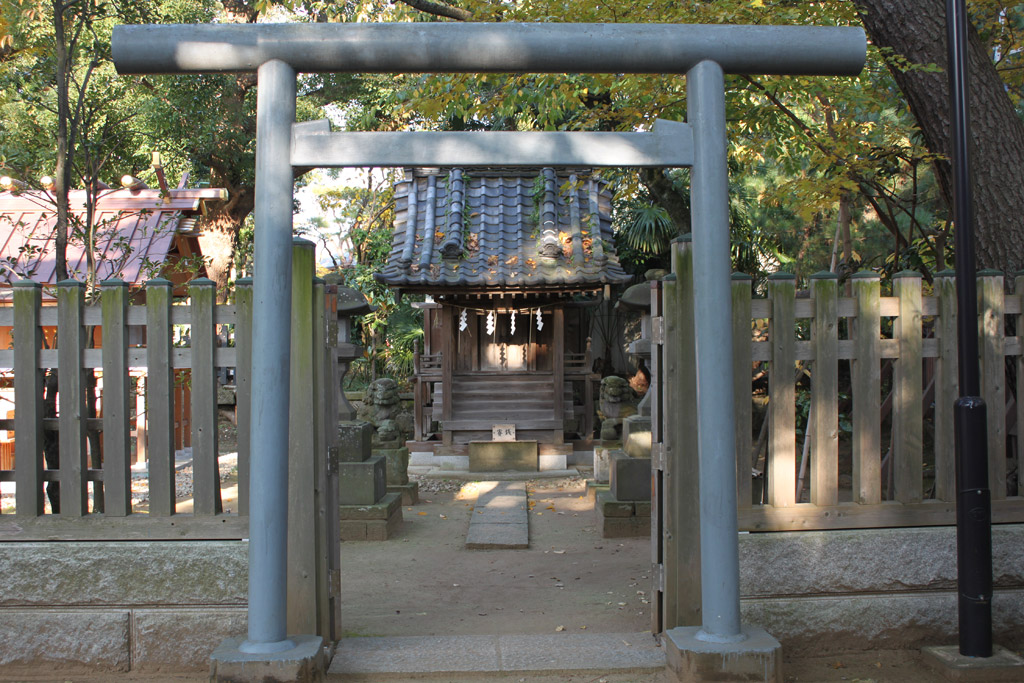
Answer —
(917, 32)
(220, 230)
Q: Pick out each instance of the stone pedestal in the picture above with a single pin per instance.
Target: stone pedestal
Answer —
(636, 436)
(366, 510)
(500, 456)
(376, 522)
(758, 657)
(1003, 665)
(630, 477)
(602, 461)
(621, 518)
(304, 663)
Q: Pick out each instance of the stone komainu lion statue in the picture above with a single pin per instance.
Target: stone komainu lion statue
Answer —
(617, 402)
(382, 407)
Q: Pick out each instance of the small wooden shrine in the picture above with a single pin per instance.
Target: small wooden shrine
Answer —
(510, 260)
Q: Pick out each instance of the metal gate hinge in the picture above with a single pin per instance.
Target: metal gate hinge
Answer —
(658, 456)
(658, 575)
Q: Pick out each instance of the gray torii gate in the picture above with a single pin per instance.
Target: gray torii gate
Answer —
(277, 52)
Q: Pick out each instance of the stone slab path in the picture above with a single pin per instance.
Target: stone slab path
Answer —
(500, 518)
(558, 652)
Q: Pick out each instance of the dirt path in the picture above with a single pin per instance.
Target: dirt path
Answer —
(424, 582)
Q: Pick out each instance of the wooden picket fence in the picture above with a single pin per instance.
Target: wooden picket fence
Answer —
(892, 462)
(117, 364)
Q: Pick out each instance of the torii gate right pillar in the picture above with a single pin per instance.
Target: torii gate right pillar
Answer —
(721, 648)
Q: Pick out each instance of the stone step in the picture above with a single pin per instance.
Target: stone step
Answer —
(500, 519)
(453, 657)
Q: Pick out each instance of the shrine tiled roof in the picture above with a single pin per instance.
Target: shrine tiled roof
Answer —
(486, 229)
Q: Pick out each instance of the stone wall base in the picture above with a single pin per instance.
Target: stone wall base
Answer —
(90, 641)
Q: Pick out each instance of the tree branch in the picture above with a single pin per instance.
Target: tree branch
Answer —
(439, 9)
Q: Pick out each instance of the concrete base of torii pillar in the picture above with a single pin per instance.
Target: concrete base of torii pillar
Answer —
(304, 663)
(758, 657)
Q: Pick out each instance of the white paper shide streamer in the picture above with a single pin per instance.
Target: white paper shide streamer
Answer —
(512, 327)
(540, 321)
(490, 322)
(462, 321)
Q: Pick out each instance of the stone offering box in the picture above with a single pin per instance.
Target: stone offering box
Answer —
(501, 456)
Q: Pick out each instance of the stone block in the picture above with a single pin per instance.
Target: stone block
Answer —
(636, 436)
(1003, 665)
(372, 523)
(354, 440)
(304, 663)
(594, 488)
(609, 506)
(398, 464)
(46, 641)
(362, 483)
(181, 639)
(756, 658)
(124, 573)
(382, 509)
(484, 536)
(410, 492)
(552, 461)
(226, 395)
(498, 456)
(630, 477)
(869, 560)
(602, 463)
(625, 527)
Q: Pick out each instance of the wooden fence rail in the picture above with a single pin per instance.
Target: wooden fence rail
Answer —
(95, 488)
(880, 455)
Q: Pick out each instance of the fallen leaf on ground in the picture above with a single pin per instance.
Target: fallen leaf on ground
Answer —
(422, 514)
(559, 628)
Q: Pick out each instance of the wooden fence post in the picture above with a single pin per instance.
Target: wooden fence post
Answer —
(243, 385)
(782, 392)
(682, 484)
(993, 374)
(324, 420)
(741, 362)
(160, 397)
(1018, 291)
(74, 462)
(866, 379)
(946, 387)
(907, 410)
(117, 498)
(303, 608)
(28, 399)
(824, 423)
(205, 469)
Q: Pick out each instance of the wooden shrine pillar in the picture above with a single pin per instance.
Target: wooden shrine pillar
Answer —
(447, 370)
(558, 372)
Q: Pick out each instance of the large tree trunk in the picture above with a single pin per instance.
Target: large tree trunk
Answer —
(219, 235)
(917, 32)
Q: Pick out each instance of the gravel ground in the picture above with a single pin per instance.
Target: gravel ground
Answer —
(228, 465)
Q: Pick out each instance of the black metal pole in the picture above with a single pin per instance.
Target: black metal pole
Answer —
(973, 505)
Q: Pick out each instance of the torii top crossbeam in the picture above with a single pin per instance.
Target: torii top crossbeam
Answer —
(480, 47)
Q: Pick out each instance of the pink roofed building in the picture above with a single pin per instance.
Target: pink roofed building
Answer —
(140, 234)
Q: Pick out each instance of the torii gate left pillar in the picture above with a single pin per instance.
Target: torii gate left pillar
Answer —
(277, 52)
